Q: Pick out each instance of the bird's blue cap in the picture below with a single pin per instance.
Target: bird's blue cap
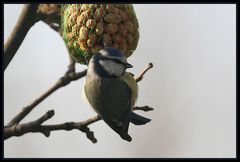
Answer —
(111, 52)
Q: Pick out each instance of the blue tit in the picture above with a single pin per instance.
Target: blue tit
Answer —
(112, 92)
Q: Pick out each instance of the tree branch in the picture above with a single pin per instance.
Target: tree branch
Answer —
(34, 126)
(50, 14)
(140, 77)
(24, 23)
(31, 13)
(63, 81)
(71, 66)
(143, 108)
(37, 127)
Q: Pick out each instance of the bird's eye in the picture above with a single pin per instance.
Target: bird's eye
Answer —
(114, 60)
(118, 61)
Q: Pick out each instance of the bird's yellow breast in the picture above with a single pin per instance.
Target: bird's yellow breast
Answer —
(131, 82)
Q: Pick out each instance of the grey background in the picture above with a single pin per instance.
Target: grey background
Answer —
(192, 87)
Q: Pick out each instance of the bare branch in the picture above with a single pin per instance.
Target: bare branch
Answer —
(63, 81)
(71, 66)
(34, 126)
(37, 127)
(24, 23)
(140, 77)
(52, 18)
(31, 13)
(143, 108)
(82, 126)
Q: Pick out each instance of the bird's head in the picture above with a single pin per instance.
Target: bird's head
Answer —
(111, 61)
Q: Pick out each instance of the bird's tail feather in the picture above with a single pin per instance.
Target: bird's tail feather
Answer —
(138, 119)
(120, 128)
(126, 137)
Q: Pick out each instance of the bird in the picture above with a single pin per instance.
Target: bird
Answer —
(112, 92)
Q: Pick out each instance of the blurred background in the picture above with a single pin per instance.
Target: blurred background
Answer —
(192, 87)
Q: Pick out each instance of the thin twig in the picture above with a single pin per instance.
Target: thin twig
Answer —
(37, 127)
(24, 23)
(140, 77)
(34, 126)
(29, 16)
(143, 108)
(71, 66)
(50, 18)
(63, 81)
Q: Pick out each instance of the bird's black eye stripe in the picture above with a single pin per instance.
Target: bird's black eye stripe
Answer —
(115, 60)
(118, 61)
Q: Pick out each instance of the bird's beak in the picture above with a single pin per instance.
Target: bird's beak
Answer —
(127, 65)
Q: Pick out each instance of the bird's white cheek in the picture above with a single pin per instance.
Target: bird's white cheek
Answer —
(111, 67)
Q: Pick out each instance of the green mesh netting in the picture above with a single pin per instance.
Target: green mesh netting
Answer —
(88, 28)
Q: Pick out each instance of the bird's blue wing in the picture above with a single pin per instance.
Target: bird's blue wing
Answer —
(115, 100)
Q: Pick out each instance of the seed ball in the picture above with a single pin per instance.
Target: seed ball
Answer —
(87, 28)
